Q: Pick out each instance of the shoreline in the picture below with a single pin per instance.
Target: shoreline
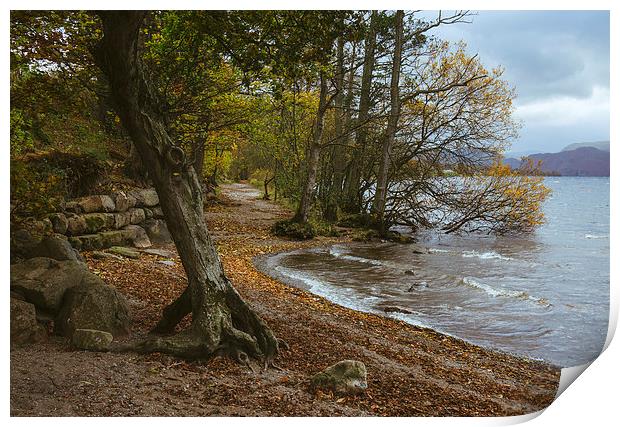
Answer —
(260, 261)
(412, 371)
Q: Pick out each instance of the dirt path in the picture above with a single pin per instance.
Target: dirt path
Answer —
(412, 371)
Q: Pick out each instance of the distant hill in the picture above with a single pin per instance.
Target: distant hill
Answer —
(601, 145)
(583, 161)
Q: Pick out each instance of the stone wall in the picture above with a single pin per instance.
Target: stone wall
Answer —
(122, 218)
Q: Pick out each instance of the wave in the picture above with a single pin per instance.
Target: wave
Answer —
(340, 254)
(439, 251)
(490, 290)
(596, 236)
(337, 253)
(485, 255)
(336, 294)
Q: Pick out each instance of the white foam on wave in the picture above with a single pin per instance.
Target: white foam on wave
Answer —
(320, 288)
(354, 258)
(341, 254)
(485, 255)
(596, 236)
(336, 295)
(494, 292)
(439, 251)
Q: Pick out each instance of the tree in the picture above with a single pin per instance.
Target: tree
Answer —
(455, 115)
(497, 200)
(312, 162)
(352, 187)
(222, 322)
(390, 134)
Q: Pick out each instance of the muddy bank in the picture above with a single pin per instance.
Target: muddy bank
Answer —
(411, 371)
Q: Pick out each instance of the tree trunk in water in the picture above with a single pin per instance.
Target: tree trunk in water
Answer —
(313, 156)
(388, 142)
(222, 323)
(352, 200)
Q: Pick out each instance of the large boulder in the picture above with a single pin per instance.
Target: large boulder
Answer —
(24, 326)
(347, 377)
(56, 247)
(137, 236)
(98, 203)
(157, 230)
(44, 281)
(93, 306)
(91, 339)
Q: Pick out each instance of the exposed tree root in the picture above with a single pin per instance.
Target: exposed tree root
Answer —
(173, 314)
(241, 335)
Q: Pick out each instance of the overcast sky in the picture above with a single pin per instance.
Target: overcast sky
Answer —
(559, 63)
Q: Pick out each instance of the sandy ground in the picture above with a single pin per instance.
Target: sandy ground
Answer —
(411, 371)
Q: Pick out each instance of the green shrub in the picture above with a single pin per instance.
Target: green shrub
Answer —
(365, 235)
(354, 221)
(292, 229)
(323, 228)
(34, 191)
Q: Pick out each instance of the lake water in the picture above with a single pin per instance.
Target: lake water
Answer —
(544, 295)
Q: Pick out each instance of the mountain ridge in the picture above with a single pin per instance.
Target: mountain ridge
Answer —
(582, 161)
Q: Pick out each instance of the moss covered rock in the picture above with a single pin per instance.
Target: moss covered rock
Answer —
(76, 225)
(44, 281)
(123, 251)
(346, 377)
(56, 247)
(98, 221)
(93, 306)
(111, 238)
(89, 242)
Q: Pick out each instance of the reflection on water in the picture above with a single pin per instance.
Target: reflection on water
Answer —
(545, 295)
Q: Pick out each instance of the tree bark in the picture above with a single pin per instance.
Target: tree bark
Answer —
(199, 157)
(388, 141)
(352, 202)
(314, 152)
(222, 323)
(338, 152)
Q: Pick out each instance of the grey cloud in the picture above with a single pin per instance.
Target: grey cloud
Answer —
(547, 55)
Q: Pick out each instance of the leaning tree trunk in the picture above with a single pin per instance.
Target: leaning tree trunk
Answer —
(388, 142)
(222, 323)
